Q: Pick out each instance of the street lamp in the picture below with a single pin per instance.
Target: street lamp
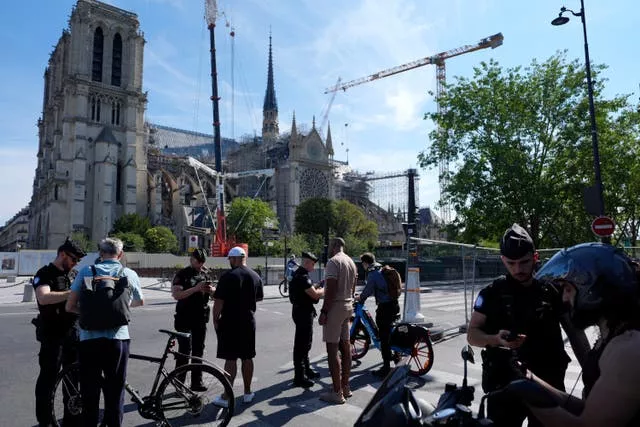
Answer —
(561, 20)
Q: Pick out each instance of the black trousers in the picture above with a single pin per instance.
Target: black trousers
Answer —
(193, 346)
(55, 353)
(385, 314)
(505, 411)
(303, 319)
(106, 358)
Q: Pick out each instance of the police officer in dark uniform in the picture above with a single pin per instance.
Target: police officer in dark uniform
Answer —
(192, 289)
(55, 328)
(517, 320)
(303, 295)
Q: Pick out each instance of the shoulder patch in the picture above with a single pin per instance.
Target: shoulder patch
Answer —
(479, 302)
(36, 280)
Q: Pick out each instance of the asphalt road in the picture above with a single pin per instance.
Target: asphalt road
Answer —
(276, 402)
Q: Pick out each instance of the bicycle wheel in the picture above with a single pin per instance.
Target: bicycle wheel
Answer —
(421, 358)
(180, 406)
(66, 400)
(360, 341)
(284, 288)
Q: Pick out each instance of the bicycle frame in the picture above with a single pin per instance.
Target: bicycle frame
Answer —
(362, 315)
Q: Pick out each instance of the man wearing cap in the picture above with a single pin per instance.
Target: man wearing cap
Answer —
(303, 295)
(234, 310)
(517, 318)
(192, 288)
(55, 327)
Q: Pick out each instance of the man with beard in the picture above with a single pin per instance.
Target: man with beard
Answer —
(517, 318)
(56, 328)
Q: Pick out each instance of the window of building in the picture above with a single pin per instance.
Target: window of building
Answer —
(95, 102)
(115, 112)
(116, 61)
(98, 48)
(119, 183)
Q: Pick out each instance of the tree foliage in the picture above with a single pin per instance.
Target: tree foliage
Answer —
(83, 241)
(316, 217)
(132, 242)
(131, 223)
(519, 144)
(160, 240)
(246, 220)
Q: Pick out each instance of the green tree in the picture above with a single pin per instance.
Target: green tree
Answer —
(131, 223)
(160, 240)
(132, 242)
(83, 241)
(315, 216)
(521, 144)
(246, 220)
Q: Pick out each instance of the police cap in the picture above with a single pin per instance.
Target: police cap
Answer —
(72, 248)
(309, 255)
(516, 242)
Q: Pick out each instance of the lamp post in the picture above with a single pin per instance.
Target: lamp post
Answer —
(561, 20)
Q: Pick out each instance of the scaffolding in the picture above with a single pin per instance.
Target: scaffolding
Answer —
(389, 190)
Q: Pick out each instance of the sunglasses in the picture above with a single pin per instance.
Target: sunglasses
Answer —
(73, 258)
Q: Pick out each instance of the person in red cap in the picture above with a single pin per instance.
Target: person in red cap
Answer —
(234, 310)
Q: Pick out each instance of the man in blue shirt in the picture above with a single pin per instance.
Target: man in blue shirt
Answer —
(388, 307)
(104, 352)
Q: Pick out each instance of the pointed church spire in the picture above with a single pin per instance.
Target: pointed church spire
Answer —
(313, 125)
(329, 141)
(270, 129)
(294, 130)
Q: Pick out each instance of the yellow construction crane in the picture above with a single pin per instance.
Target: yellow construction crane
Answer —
(439, 61)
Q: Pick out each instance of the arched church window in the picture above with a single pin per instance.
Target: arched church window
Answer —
(92, 101)
(115, 112)
(98, 102)
(98, 49)
(116, 61)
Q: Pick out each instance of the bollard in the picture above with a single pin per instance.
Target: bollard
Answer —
(412, 297)
(28, 294)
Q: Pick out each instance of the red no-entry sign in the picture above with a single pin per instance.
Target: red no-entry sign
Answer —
(603, 226)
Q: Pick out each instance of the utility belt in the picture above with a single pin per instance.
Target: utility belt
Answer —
(200, 315)
(305, 308)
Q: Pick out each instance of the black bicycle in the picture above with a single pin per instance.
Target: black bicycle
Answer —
(172, 403)
(283, 287)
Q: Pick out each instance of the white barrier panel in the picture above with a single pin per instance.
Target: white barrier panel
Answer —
(9, 266)
(412, 297)
(30, 261)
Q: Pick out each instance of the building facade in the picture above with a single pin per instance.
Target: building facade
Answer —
(91, 153)
(14, 234)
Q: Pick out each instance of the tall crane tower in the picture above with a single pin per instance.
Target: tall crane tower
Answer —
(439, 61)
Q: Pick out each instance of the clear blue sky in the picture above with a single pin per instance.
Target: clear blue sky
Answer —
(314, 43)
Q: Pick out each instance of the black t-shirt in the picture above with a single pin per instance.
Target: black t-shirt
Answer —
(298, 289)
(534, 311)
(54, 319)
(196, 304)
(239, 288)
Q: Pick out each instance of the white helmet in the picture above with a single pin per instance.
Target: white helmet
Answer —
(237, 252)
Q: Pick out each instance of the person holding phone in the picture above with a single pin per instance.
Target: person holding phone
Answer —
(192, 289)
(517, 320)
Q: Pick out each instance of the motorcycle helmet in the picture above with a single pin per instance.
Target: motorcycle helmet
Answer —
(604, 278)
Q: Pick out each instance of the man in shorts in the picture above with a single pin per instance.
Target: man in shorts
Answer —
(340, 284)
(234, 310)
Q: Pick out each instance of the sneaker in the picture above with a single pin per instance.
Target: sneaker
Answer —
(346, 392)
(221, 402)
(333, 397)
(248, 397)
(311, 374)
(302, 382)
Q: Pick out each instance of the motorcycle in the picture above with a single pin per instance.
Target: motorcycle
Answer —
(394, 403)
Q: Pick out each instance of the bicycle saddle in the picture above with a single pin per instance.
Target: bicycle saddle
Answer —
(184, 335)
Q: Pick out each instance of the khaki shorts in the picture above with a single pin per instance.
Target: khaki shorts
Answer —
(337, 327)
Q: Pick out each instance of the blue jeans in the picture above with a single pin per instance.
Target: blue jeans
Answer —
(103, 358)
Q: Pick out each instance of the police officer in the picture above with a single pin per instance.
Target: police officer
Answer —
(55, 328)
(303, 295)
(192, 289)
(518, 318)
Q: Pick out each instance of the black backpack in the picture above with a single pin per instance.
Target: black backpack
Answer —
(104, 302)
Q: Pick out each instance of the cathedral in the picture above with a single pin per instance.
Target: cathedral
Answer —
(99, 159)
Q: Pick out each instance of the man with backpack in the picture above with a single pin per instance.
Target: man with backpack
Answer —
(384, 284)
(102, 294)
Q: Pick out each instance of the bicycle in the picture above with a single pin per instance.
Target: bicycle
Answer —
(407, 340)
(169, 404)
(283, 287)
